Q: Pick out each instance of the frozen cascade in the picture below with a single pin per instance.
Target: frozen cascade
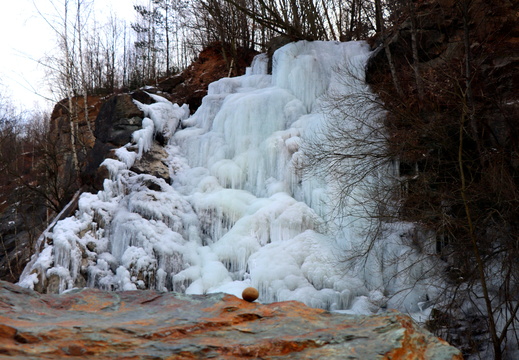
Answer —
(238, 212)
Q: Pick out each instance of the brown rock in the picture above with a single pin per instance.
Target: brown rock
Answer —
(7, 331)
(153, 163)
(250, 294)
(93, 324)
(191, 86)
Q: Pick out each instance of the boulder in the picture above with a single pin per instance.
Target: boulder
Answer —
(90, 323)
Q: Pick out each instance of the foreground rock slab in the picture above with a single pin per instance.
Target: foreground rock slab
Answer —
(89, 323)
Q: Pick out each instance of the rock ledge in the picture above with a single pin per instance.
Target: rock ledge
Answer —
(89, 323)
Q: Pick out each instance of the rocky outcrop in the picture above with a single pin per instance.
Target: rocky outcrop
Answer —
(62, 115)
(118, 118)
(63, 119)
(90, 323)
(190, 86)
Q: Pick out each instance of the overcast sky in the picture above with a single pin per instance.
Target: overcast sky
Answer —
(25, 38)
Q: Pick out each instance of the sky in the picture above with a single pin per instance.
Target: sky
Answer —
(25, 38)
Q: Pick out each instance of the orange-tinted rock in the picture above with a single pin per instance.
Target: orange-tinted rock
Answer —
(92, 324)
(190, 86)
(250, 294)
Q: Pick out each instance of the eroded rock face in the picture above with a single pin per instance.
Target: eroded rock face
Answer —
(150, 325)
(190, 86)
(118, 118)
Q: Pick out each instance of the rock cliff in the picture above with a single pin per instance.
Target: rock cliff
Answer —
(89, 323)
(447, 74)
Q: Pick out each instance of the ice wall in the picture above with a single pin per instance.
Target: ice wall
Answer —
(238, 212)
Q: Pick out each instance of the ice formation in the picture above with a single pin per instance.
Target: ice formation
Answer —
(238, 213)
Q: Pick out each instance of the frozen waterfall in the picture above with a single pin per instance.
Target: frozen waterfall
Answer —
(238, 212)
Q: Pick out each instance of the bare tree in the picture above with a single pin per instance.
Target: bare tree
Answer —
(63, 67)
(82, 65)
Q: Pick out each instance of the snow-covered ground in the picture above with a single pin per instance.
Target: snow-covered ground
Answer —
(238, 212)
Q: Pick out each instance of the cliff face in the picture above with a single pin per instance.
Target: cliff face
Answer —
(476, 48)
(448, 75)
(90, 323)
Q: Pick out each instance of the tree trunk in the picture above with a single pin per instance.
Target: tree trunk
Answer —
(414, 46)
(379, 22)
(69, 89)
(83, 75)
